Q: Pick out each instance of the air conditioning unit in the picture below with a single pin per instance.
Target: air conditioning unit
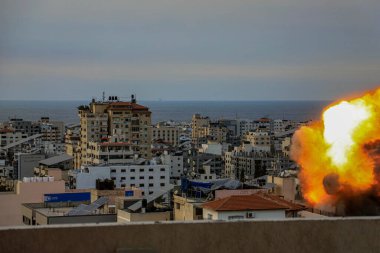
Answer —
(250, 215)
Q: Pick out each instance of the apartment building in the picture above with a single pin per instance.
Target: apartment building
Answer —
(199, 126)
(9, 135)
(246, 163)
(115, 121)
(175, 162)
(109, 153)
(20, 125)
(167, 134)
(150, 178)
(204, 130)
(259, 140)
(72, 143)
(52, 131)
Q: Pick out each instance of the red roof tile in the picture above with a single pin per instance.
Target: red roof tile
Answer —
(244, 203)
(291, 206)
(7, 130)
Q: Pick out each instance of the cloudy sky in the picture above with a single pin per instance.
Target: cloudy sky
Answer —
(188, 49)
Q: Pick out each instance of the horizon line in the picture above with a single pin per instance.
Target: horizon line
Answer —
(170, 100)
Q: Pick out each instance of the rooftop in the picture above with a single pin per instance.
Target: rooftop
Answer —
(127, 105)
(56, 159)
(243, 203)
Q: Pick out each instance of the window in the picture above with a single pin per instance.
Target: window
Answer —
(113, 178)
(123, 170)
(162, 177)
(177, 206)
(150, 177)
(151, 169)
(162, 184)
(250, 215)
(141, 177)
(198, 211)
(150, 193)
(162, 169)
(123, 185)
(141, 185)
(132, 185)
(150, 185)
(132, 178)
(122, 178)
(209, 216)
(141, 170)
(133, 170)
(113, 171)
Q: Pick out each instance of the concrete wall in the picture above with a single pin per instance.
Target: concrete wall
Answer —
(103, 218)
(125, 217)
(295, 235)
(26, 164)
(87, 180)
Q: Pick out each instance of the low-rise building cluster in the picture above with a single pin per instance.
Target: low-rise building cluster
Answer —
(116, 166)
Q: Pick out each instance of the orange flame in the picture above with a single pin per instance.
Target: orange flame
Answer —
(336, 146)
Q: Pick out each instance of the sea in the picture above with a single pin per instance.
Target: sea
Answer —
(179, 111)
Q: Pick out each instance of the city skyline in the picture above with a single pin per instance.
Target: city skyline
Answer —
(198, 50)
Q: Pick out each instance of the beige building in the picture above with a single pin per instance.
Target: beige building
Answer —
(72, 144)
(108, 153)
(199, 125)
(117, 122)
(285, 146)
(25, 192)
(217, 133)
(187, 208)
(287, 187)
(123, 216)
(260, 140)
(204, 130)
(168, 134)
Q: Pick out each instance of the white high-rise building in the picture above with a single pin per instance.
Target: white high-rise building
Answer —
(150, 178)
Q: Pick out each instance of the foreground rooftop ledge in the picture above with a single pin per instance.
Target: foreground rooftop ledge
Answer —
(356, 234)
(141, 223)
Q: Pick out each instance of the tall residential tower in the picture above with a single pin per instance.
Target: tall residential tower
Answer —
(114, 123)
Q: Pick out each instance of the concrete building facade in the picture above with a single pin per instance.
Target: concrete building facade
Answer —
(175, 163)
(116, 121)
(149, 178)
(168, 134)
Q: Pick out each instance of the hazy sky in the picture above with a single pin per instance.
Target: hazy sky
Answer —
(188, 49)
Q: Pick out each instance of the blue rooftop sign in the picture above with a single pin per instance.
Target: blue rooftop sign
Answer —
(66, 197)
(128, 193)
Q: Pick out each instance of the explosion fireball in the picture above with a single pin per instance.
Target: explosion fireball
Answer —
(338, 155)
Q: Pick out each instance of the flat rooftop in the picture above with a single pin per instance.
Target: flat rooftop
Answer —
(53, 212)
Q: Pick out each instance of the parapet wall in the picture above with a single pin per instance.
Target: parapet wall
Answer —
(291, 235)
